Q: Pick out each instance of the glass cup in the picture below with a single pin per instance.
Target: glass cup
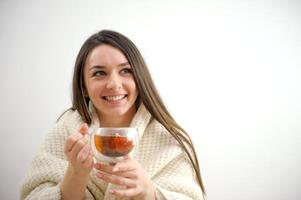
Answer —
(112, 145)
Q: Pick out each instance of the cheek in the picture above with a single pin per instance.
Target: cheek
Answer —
(133, 87)
(94, 89)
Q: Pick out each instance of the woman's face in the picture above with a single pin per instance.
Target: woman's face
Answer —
(109, 82)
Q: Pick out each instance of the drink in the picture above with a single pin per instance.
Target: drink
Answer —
(113, 146)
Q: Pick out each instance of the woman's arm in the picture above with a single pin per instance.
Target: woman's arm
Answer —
(50, 175)
(73, 185)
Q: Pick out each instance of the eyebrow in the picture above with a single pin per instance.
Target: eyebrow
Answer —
(123, 64)
(102, 66)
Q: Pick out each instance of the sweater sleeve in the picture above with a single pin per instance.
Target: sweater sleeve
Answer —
(175, 181)
(48, 167)
(45, 191)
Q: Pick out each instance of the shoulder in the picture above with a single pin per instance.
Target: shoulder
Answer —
(67, 123)
(157, 130)
(157, 138)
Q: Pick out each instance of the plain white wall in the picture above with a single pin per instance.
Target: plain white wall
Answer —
(229, 71)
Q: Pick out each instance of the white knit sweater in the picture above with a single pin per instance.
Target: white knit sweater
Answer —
(159, 154)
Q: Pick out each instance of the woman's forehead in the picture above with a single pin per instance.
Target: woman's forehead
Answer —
(106, 55)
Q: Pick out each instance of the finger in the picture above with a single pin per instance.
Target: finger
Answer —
(128, 174)
(125, 193)
(71, 141)
(126, 165)
(109, 169)
(84, 153)
(89, 161)
(117, 180)
(78, 146)
(83, 129)
(104, 167)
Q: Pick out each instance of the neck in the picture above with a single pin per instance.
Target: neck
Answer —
(117, 121)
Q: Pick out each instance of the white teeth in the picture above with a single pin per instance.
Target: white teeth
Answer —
(114, 98)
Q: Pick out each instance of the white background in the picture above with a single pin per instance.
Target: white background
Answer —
(229, 71)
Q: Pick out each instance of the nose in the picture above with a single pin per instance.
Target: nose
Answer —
(114, 82)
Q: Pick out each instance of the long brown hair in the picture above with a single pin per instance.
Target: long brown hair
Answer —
(147, 92)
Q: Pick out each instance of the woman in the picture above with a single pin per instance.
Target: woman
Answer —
(112, 87)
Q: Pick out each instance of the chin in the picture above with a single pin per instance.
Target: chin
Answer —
(117, 112)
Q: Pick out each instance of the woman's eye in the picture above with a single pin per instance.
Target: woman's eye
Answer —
(126, 71)
(99, 73)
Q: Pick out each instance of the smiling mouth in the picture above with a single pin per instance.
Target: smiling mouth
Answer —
(115, 98)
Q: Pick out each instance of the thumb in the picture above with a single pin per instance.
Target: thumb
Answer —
(83, 129)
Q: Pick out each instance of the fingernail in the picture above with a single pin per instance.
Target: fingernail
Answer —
(99, 175)
(84, 128)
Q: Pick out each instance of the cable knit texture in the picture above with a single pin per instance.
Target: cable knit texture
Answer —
(159, 154)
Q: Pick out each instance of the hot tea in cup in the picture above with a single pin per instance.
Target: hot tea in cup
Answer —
(111, 145)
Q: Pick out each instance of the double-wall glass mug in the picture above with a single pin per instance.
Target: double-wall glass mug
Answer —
(112, 145)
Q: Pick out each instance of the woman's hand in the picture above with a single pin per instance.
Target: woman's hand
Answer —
(78, 152)
(130, 174)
